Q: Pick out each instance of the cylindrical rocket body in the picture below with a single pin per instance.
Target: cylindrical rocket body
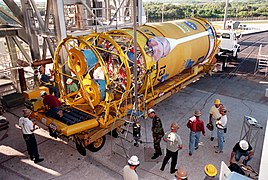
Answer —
(194, 40)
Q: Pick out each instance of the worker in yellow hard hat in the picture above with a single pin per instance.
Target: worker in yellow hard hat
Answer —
(214, 114)
(210, 171)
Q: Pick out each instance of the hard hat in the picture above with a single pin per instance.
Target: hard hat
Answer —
(26, 112)
(174, 125)
(134, 160)
(197, 113)
(217, 101)
(181, 173)
(210, 170)
(69, 81)
(43, 93)
(243, 144)
(151, 111)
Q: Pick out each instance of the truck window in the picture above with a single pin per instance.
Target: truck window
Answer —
(226, 36)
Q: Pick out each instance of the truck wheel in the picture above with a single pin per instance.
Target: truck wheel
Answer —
(81, 149)
(97, 145)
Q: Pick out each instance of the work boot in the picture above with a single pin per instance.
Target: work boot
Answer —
(38, 160)
(155, 156)
(173, 171)
(212, 138)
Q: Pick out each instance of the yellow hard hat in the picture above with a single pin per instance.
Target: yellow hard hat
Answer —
(210, 170)
(217, 101)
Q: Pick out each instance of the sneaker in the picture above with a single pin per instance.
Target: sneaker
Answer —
(38, 160)
(212, 138)
(155, 156)
(218, 151)
(32, 158)
(196, 148)
(173, 171)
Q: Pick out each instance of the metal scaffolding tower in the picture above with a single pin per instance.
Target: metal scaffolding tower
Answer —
(250, 130)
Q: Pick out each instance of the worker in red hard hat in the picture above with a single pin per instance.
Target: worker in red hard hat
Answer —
(214, 114)
(242, 148)
(181, 174)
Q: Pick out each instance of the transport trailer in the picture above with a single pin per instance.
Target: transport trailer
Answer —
(170, 56)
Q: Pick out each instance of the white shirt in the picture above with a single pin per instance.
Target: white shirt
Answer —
(26, 125)
(222, 122)
(129, 174)
(173, 141)
(215, 112)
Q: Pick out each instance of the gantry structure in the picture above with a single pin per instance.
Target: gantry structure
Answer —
(32, 29)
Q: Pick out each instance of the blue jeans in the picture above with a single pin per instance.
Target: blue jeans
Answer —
(220, 133)
(193, 141)
(238, 155)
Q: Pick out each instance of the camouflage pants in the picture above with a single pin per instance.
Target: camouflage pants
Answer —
(157, 148)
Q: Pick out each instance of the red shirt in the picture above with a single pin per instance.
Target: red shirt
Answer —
(51, 101)
(196, 125)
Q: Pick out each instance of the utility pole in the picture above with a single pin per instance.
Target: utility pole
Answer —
(225, 14)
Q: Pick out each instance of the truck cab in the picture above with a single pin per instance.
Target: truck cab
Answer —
(229, 43)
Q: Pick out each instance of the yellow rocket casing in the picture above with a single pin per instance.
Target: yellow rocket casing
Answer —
(195, 45)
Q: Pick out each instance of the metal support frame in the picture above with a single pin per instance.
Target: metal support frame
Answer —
(250, 131)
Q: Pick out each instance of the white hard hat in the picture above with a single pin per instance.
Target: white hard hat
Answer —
(134, 160)
(69, 81)
(243, 144)
(150, 111)
(42, 93)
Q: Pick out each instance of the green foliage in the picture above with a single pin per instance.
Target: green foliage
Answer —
(205, 9)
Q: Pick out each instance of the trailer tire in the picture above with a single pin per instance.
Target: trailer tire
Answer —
(97, 145)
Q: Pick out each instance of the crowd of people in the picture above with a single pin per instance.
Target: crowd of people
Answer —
(217, 124)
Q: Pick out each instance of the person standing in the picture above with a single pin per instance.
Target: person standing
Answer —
(242, 148)
(221, 125)
(71, 86)
(158, 133)
(174, 144)
(28, 128)
(196, 126)
(129, 171)
(47, 81)
(52, 105)
(214, 113)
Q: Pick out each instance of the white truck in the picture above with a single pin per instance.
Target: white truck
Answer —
(228, 47)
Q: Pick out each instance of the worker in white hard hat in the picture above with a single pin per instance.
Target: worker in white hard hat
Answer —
(214, 114)
(129, 171)
(242, 148)
(71, 86)
(181, 174)
(158, 133)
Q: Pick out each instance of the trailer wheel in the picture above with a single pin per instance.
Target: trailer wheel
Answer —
(97, 145)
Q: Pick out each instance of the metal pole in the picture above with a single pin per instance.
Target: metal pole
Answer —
(135, 55)
(225, 14)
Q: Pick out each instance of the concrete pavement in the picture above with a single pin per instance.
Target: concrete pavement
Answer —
(241, 95)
